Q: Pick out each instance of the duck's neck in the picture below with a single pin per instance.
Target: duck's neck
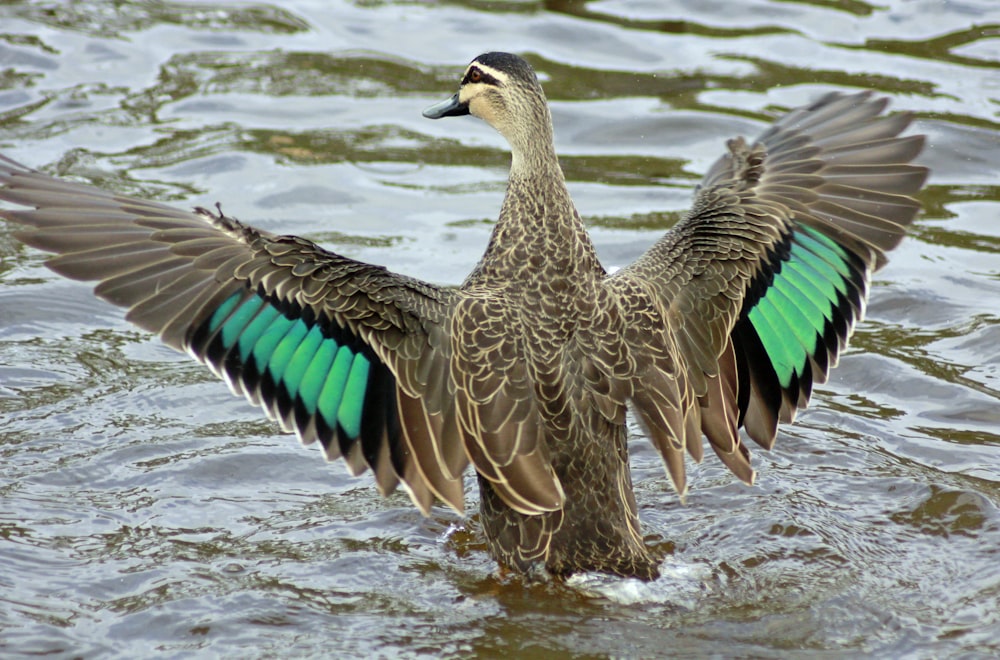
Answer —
(539, 235)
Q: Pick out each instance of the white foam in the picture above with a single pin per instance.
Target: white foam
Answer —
(679, 584)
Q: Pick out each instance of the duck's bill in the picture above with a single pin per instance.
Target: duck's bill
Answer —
(448, 108)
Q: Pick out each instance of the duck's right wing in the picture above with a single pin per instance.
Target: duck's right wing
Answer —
(738, 310)
(342, 352)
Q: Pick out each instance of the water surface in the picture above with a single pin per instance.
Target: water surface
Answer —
(144, 510)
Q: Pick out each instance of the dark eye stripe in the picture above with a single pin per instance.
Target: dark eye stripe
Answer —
(483, 77)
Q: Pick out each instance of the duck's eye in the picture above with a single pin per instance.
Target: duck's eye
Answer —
(475, 76)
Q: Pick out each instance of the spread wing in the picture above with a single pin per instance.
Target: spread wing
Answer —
(738, 310)
(342, 352)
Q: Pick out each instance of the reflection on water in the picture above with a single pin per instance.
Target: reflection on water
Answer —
(144, 507)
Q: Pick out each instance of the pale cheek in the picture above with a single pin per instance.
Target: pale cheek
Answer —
(482, 109)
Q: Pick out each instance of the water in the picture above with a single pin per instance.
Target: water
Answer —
(144, 511)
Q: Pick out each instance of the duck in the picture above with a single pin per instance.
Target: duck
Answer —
(527, 370)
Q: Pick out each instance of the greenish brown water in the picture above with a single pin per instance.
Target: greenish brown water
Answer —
(145, 511)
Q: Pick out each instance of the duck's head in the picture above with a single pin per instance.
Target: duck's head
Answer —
(502, 90)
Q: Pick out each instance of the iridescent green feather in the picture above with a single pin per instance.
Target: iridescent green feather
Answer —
(234, 323)
(333, 387)
(793, 277)
(833, 253)
(286, 347)
(302, 359)
(328, 378)
(267, 341)
(767, 321)
(222, 313)
(811, 312)
(791, 317)
(824, 261)
(802, 328)
(352, 403)
(312, 382)
(247, 340)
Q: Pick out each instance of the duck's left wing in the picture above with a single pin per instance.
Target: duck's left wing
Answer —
(738, 310)
(342, 352)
